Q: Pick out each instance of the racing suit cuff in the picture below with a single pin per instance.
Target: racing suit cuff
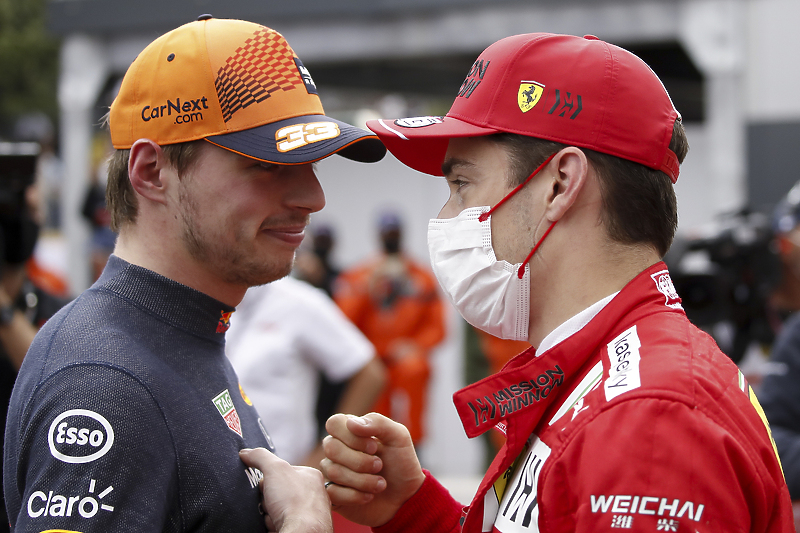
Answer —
(431, 508)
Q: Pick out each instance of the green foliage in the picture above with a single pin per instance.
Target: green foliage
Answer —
(28, 62)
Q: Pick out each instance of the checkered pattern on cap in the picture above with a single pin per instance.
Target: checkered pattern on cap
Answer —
(264, 64)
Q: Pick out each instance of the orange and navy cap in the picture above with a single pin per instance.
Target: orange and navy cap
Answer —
(238, 85)
(576, 91)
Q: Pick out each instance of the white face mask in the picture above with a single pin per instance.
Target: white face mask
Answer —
(488, 293)
(491, 295)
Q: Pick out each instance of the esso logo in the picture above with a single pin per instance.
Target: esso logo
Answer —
(80, 436)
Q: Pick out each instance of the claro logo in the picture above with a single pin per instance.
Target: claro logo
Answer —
(80, 436)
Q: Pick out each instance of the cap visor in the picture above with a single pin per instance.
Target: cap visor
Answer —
(303, 139)
(421, 142)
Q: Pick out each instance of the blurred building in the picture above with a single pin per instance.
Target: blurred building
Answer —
(728, 64)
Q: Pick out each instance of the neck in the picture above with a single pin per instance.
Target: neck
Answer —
(168, 257)
(579, 279)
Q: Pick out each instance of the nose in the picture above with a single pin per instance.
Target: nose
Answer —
(450, 209)
(307, 191)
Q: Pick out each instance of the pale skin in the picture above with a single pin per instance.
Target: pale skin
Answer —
(228, 223)
(371, 459)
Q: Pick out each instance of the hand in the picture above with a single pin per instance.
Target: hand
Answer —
(373, 465)
(293, 497)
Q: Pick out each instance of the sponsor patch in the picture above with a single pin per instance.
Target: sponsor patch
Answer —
(224, 321)
(474, 78)
(224, 405)
(254, 475)
(80, 436)
(311, 87)
(185, 111)
(299, 135)
(664, 285)
(43, 504)
(508, 400)
(631, 504)
(528, 95)
(519, 507)
(566, 105)
(623, 375)
(270, 444)
(244, 396)
(418, 122)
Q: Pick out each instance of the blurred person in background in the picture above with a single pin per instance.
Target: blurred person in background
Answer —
(561, 154)
(315, 265)
(94, 210)
(285, 334)
(780, 388)
(29, 295)
(395, 303)
(126, 412)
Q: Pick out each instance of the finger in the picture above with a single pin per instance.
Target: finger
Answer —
(259, 458)
(336, 426)
(341, 495)
(357, 461)
(342, 476)
(385, 430)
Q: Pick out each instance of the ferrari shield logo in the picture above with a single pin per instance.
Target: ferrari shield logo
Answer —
(528, 95)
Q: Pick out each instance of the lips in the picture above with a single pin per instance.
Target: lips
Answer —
(292, 235)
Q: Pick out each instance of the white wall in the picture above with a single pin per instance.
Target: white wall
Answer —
(773, 68)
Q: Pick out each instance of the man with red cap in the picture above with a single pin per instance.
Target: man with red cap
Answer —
(126, 413)
(561, 153)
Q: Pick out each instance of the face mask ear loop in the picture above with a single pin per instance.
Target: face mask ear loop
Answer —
(521, 271)
(485, 215)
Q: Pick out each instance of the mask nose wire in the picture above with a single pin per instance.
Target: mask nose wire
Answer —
(484, 216)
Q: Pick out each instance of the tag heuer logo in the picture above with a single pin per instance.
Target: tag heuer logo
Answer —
(224, 405)
(528, 95)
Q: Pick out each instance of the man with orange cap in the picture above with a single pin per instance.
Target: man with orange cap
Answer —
(560, 153)
(126, 412)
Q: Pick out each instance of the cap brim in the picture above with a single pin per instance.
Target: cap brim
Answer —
(421, 142)
(303, 139)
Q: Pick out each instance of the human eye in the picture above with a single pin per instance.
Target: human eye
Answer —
(268, 167)
(456, 183)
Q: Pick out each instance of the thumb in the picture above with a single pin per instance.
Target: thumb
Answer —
(386, 430)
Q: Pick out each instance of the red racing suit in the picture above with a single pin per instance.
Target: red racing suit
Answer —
(636, 421)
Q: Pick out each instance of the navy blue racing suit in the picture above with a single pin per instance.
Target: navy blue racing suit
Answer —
(127, 415)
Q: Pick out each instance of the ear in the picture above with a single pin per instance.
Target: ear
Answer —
(145, 167)
(571, 175)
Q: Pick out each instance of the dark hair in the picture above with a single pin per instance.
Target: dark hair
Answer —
(639, 204)
(120, 197)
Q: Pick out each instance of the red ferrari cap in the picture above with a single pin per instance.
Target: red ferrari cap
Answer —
(578, 91)
(238, 85)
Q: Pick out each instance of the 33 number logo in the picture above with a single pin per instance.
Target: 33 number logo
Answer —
(298, 135)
